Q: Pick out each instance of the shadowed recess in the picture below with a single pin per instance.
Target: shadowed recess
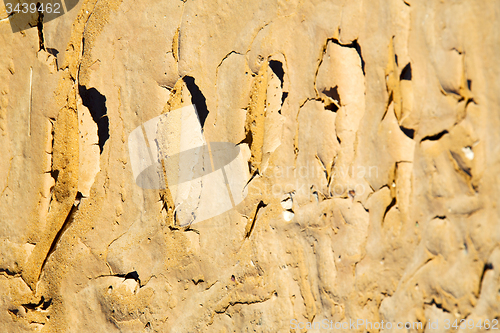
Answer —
(134, 276)
(409, 132)
(277, 68)
(406, 73)
(333, 93)
(39, 25)
(96, 103)
(197, 98)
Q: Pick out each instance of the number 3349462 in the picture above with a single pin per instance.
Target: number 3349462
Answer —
(33, 8)
(471, 324)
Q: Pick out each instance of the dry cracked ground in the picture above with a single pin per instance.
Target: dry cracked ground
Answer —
(370, 137)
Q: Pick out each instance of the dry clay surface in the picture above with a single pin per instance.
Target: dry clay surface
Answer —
(371, 132)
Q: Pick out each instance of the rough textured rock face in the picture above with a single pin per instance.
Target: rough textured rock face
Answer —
(370, 129)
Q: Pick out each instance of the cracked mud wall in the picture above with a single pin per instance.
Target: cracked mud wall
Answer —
(371, 135)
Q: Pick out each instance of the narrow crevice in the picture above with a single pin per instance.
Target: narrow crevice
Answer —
(197, 281)
(438, 305)
(190, 228)
(96, 103)
(42, 305)
(67, 222)
(392, 204)
(225, 57)
(460, 164)
(435, 137)
(176, 45)
(131, 275)
(54, 174)
(8, 272)
(14, 312)
(252, 225)
(389, 101)
(224, 309)
(487, 266)
(83, 52)
(255, 174)
(39, 25)
(323, 166)
(248, 139)
(358, 49)
(197, 99)
(323, 52)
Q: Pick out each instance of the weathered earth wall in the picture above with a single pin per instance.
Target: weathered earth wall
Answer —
(371, 132)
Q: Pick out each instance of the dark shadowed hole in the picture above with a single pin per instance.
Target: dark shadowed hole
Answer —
(438, 305)
(133, 275)
(277, 68)
(469, 84)
(332, 107)
(283, 97)
(45, 305)
(54, 174)
(248, 139)
(96, 103)
(52, 51)
(197, 99)
(406, 73)
(33, 306)
(333, 93)
(408, 132)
